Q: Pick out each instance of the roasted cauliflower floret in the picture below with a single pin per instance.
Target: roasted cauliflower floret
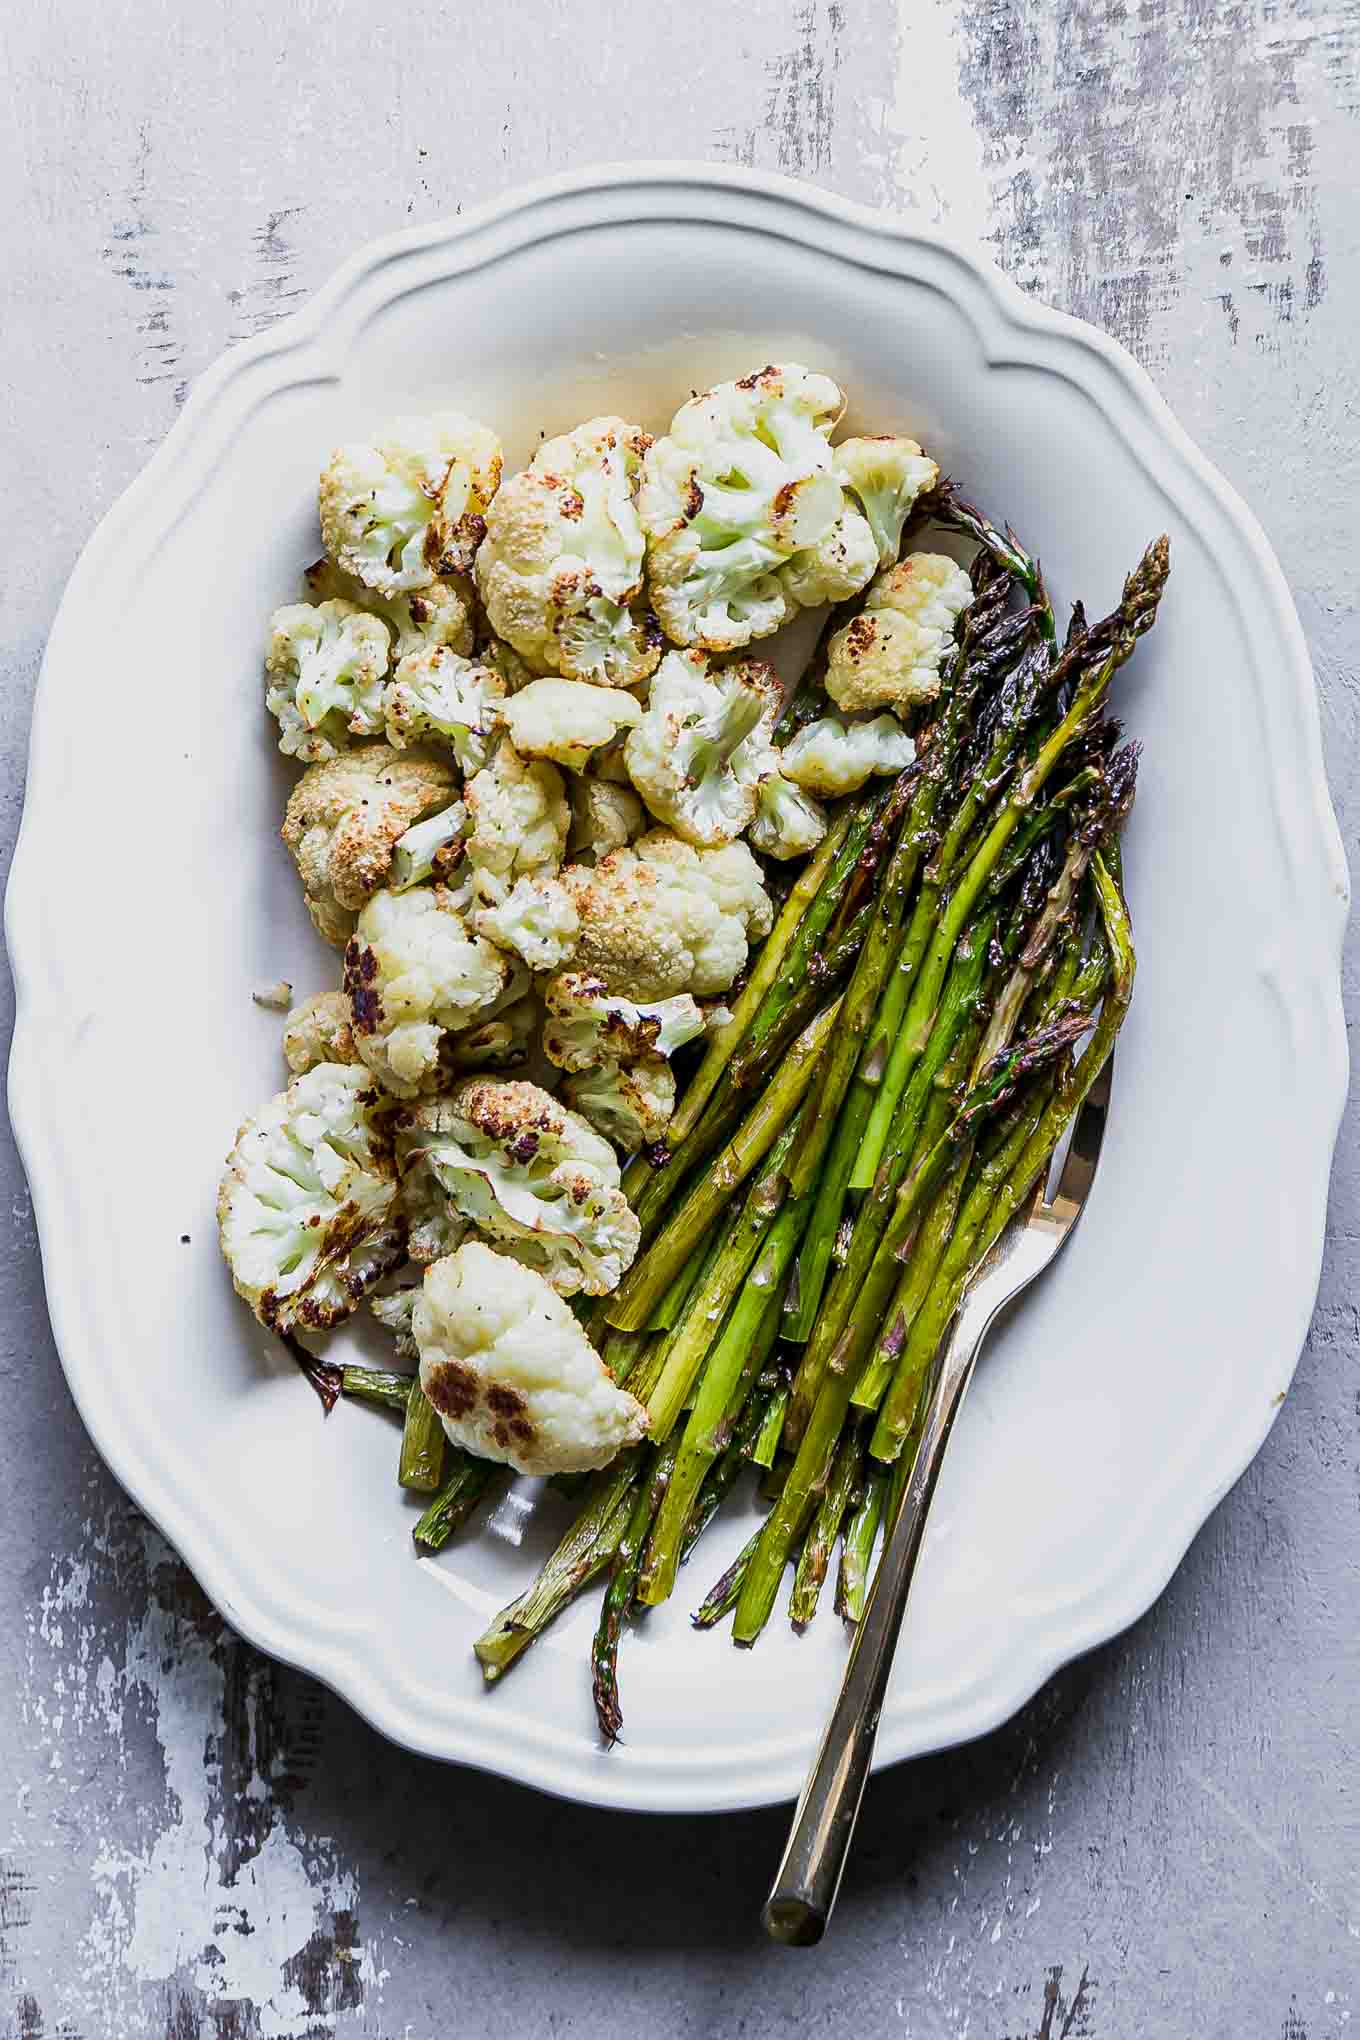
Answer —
(409, 505)
(787, 822)
(695, 756)
(837, 567)
(499, 1044)
(517, 808)
(393, 1309)
(566, 720)
(415, 973)
(630, 1104)
(504, 660)
(661, 917)
(885, 475)
(530, 1175)
(344, 819)
(432, 848)
(511, 1373)
(588, 1024)
(832, 756)
(436, 696)
(560, 569)
(307, 1209)
(742, 485)
(438, 615)
(603, 816)
(536, 919)
(325, 668)
(891, 654)
(317, 1030)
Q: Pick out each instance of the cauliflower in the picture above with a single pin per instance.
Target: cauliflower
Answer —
(402, 509)
(560, 567)
(434, 845)
(498, 1044)
(787, 821)
(520, 817)
(890, 655)
(695, 755)
(394, 1309)
(566, 720)
(505, 661)
(536, 919)
(318, 1031)
(604, 817)
(885, 476)
(344, 819)
(511, 1373)
(631, 1106)
(661, 917)
(436, 694)
(307, 1209)
(837, 567)
(744, 484)
(588, 1024)
(438, 615)
(326, 664)
(833, 756)
(531, 1176)
(415, 973)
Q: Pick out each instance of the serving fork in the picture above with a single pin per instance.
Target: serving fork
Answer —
(804, 1891)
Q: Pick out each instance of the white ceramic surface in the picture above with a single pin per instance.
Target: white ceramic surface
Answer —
(1132, 1389)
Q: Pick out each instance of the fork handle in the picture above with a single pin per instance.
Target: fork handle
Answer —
(804, 1891)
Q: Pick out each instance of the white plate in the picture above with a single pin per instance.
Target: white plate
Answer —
(150, 894)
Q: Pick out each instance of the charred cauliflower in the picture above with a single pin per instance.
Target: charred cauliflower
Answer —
(661, 917)
(695, 756)
(344, 820)
(307, 1209)
(629, 1104)
(885, 475)
(317, 1030)
(832, 756)
(518, 818)
(325, 668)
(737, 492)
(438, 615)
(891, 654)
(603, 816)
(560, 568)
(536, 919)
(529, 1175)
(511, 1373)
(589, 1024)
(409, 505)
(415, 973)
(436, 696)
(787, 822)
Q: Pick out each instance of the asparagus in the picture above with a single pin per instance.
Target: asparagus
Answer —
(766, 1441)
(378, 1386)
(585, 1550)
(722, 1595)
(815, 1558)
(724, 1470)
(323, 1376)
(857, 1545)
(421, 1465)
(604, 1654)
(646, 1282)
(464, 1488)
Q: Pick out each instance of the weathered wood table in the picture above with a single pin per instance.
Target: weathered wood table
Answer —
(1167, 1841)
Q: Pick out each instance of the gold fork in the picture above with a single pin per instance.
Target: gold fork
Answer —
(804, 1891)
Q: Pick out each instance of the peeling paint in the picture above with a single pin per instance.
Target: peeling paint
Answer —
(130, 251)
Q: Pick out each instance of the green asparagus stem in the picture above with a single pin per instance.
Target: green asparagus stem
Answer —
(723, 1593)
(749, 1333)
(586, 1549)
(464, 1488)
(1095, 659)
(646, 1282)
(376, 1385)
(767, 1437)
(815, 1558)
(752, 1063)
(421, 1465)
(720, 1476)
(913, 1285)
(604, 1654)
(857, 1545)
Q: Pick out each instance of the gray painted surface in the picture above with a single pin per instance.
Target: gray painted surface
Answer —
(1167, 1841)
